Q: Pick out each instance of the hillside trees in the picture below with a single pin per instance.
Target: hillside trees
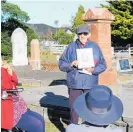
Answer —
(77, 19)
(122, 26)
(64, 38)
(11, 18)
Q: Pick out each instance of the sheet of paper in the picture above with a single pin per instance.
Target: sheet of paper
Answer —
(85, 58)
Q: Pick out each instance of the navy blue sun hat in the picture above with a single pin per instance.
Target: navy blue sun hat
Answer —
(83, 28)
(99, 106)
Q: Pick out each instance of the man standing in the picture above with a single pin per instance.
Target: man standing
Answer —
(78, 82)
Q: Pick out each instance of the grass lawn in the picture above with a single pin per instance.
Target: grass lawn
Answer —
(47, 55)
(125, 78)
(51, 127)
(29, 86)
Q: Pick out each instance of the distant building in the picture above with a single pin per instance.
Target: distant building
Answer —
(68, 30)
(46, 44)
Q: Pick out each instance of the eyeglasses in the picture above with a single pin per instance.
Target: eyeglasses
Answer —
(83, 34)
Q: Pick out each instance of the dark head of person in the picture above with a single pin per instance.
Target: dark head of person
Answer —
(99, 106)
(83, 32)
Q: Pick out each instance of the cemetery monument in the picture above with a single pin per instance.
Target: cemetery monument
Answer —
(19, 47)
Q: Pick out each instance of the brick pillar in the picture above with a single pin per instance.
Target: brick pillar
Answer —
(35, 54)
(99, 20)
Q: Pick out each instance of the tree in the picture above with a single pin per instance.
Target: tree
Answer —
(9, 23)
(65, 38)
(122, 26)
(49, 35)
(4, 1)
(56, 22)
(62, 37)
(13, 11)
(31, 35)
(77, 19)
(7, 30)
(5, 45)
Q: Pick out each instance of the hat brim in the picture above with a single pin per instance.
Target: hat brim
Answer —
(98, 119)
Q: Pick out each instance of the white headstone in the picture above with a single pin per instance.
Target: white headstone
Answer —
(126, 96)
(19, 47)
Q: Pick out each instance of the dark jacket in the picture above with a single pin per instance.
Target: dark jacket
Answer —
(75, 79)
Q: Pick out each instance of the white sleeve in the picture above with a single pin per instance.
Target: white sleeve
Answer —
(76, 128)
(118, 129)
(70, 128)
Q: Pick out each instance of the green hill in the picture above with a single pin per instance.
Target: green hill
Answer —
(42, 29)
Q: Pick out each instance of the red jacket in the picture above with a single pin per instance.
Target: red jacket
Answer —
(7, 82)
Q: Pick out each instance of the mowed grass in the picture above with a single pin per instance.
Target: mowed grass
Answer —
(50, 127)
(125, 77)
(29, 86)
(47, 55)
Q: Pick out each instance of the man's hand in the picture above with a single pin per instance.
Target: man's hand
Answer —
(74, 63)
(90, 69)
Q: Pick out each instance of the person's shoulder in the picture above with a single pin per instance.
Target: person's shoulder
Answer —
(75, 128)
(115, 129)
(71, 44)
(118, 129)
(71, 127)
(93, 43)
(3, 71)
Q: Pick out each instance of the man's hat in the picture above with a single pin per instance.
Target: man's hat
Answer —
(99, 106)
(83, 28)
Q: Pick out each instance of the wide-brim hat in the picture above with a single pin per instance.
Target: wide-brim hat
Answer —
(99, 106)
(83, 28)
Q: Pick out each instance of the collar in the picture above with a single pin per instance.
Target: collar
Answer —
(81, 45)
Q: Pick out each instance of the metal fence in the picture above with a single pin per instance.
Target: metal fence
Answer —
(131, 51)
(57, 49)
(128, 50)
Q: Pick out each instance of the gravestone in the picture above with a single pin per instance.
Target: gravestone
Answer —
(123, 65)
(126, 96)
(19, 47)
(35, 54)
